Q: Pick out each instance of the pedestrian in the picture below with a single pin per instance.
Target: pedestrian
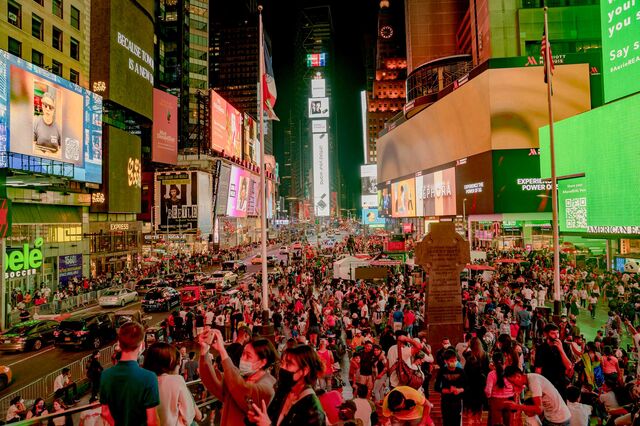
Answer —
(580, 413)
(451, 383)
(498, 391)
(476, 369)
(405, 406)
(63, 384)
(94, 372)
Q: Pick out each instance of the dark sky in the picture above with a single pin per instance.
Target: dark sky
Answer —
(351, 20)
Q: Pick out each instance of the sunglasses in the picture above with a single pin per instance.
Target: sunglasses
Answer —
(48, 106)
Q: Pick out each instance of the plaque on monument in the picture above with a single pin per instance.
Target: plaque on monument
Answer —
(443, 253)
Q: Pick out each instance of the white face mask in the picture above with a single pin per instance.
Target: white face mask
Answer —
(246, 368)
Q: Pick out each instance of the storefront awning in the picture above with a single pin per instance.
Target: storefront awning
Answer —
(36, 214)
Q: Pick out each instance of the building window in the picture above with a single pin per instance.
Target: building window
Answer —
(37, 58)
(75, 18)
(37, 27)
(14, 13)
(40, 2)
(74, 76)
(57, 8)
(56, 38)
(15, 47)
(56, 67)
(74, 48)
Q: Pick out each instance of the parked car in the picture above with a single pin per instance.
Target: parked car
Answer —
(173, 280)
(88, 330)
(117, 297)
(191, 295)
(143, 285)
(28, 335)
(225, 278)
(5, 376)
(271, 260)
(256, 260)
(161, 299)
(125, 316)
(235, 266)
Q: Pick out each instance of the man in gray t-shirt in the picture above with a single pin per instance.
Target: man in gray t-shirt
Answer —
(46, 133)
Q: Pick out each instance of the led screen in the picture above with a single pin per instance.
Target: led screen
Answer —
(43, 115)
(124, 172)
(403, 198)
(620, 25)
(223, 189)
(238, 200)
(368, 178)
(474, 183)
(604, 144)
(318, 107)
(384, 200)
(321, 196)
(176, 196)
(164, 143)
(370, 217)
(436, 193)
(226, 126)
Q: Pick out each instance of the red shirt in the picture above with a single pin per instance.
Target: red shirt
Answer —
(409, 318)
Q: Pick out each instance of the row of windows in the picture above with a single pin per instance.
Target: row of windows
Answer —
(14, 10)
(14, 16)
(37, 58)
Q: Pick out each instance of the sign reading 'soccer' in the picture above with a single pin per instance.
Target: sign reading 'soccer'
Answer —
(24, 261)
(620, 28)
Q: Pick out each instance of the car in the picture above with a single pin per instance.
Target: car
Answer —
(191, 295)
(117, 297)
(28, 335)
(194, 278)
(88, 331)
(272, 260)
(160, 299)
(173, 280)
(284, 250)
(5, 376)
(143, 285)
(225, 278)
(124, 316)
(256, 260)
(235, 266)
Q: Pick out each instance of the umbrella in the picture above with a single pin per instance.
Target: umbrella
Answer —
(480, 267)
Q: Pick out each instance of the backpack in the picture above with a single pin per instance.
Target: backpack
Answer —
(406, 375)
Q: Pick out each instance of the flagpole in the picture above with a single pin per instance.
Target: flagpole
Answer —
(263, 183)
(554, 179)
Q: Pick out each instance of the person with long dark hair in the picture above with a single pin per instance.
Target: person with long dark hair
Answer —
(476, 368)
(39, 409)
(295, 402)
(499, 390)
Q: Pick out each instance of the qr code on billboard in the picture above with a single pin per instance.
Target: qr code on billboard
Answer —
(576, 209)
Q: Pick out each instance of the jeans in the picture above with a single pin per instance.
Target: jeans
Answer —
(451, 412)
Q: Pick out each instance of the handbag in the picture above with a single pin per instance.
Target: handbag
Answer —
(406, 375)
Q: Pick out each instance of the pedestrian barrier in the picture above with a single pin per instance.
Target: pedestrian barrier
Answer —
(43, 388)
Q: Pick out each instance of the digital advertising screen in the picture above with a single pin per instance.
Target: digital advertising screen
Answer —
(436, 193)
(620, 26)
(318, 107)
(517, 185)
(610, 185)
(370, 217)
(176, 196)
(369, 201)
(226, 126)
(318, 88)
(223, 189)
(250, 136)
(321, 195)
(254, 202)
(384, 200)
(319, 126)
(238, 200)
(234, 131)
(43, 115)
(369, 179)
(403, 198)
(474, 183)
(124, 171)
(164, 137)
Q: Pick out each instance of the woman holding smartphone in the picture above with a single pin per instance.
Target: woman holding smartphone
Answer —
(237, 387)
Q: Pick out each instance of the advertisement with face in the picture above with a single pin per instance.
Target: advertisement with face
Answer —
(238, 200)
(43, 115)
(177, 197)
(437, 193)
(250, 136)
(474, 183)
(318, 107)
(234, 131)
(384, 200)
(164, 143)
(370, 217)
(403, 198)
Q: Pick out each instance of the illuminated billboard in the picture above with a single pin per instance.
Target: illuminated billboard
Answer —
(384, 200)
(316, 60)
(319, 126)
(403, 198)
(43, 115)
(318, 107)
(226, 126)
(124, 172)
(318, 88)
(238, 199)
(176, 198)
(223, 189)
(474, 184)
(368, 179)
(250, 137)
(436, 193)
(370, 217)
(122, 54)
(164, 137)
(620, 26)
(321, 196)
(604, 144)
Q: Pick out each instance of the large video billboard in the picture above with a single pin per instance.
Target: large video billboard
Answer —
(226, 126)
(604, 144)
(474, 183)
(124, 172)
(384, 200)
(368, 178)
(318, 107)
(164, 138)
(223, 189)
(403, 198)
(122, 54)
(43, 115)
(176, 197)
(620, 26)
(321, 195)
(238, 200)
(436, 193)
(370, 217)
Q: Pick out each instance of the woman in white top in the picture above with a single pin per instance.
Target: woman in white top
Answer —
(177, 407)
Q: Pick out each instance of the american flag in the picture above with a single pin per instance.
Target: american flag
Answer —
(544, 45)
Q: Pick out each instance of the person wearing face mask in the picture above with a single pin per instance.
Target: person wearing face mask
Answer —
(177, 406)
(294, 403)
(237, 387)
(128, 393)
(451, 383)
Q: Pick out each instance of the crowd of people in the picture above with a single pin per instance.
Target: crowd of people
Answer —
(352, 352)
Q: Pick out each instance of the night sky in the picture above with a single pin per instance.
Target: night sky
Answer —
(351, 20)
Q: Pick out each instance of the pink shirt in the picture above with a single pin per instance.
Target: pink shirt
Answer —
(493, 391)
